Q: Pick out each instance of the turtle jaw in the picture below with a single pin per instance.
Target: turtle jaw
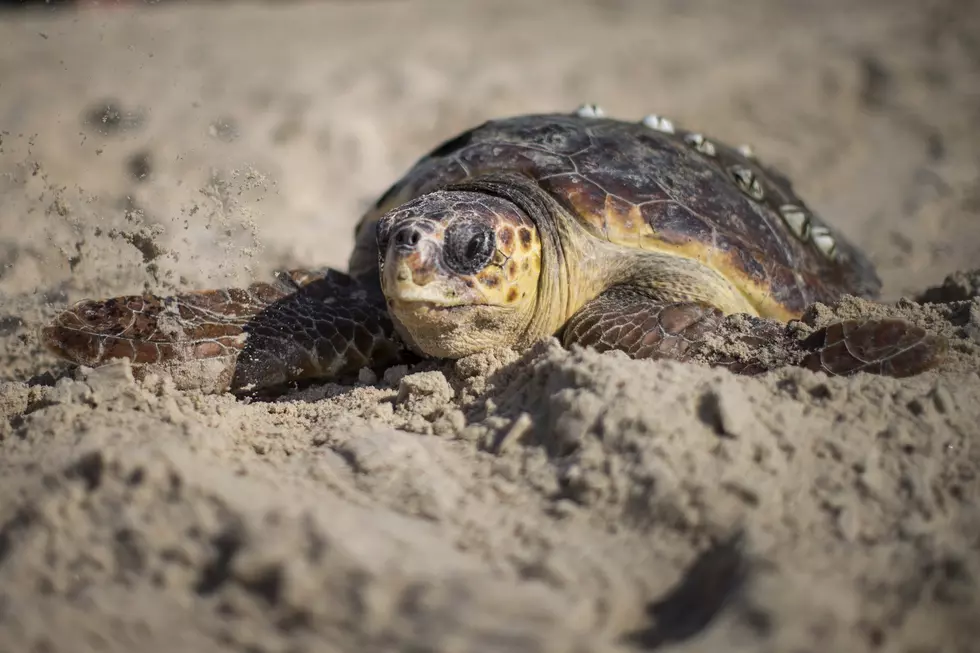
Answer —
(440, 313)
(442, 331)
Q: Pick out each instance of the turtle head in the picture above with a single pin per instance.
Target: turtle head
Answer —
(459, 270)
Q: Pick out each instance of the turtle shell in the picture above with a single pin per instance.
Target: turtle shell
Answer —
(652, 186)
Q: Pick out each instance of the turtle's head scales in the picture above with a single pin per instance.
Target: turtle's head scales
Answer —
(459, 270)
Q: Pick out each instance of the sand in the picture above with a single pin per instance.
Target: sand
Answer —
(547, 500)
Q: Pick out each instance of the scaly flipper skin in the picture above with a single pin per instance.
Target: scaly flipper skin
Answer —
(630, 322)
(887, 347)
(307, 324)
(643, 328)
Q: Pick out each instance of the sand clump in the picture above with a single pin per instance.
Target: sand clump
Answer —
(542, 500)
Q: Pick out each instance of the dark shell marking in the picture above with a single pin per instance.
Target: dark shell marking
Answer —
(678, 192)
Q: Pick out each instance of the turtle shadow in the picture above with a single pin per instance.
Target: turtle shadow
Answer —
(712, 582)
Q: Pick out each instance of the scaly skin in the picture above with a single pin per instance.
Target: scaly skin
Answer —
(631, 322)
(307, 325)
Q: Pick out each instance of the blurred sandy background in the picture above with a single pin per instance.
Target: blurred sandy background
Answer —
(553, 501)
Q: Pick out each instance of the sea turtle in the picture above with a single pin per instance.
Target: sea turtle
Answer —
(637, 236)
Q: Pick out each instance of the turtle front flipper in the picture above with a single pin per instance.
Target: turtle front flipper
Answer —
(305, 325)
(630, 321)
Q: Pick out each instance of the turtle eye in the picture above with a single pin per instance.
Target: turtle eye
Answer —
(477, 244)
(469, 247)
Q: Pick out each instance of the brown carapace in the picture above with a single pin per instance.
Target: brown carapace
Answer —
(634, 236)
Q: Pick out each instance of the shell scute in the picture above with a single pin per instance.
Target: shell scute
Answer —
(514, 157)
(562, 135)
(582, 197)
(673, 224)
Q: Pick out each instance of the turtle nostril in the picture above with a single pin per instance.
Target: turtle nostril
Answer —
(407, 238)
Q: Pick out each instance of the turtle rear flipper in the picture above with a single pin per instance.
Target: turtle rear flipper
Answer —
(306, 325)
(643, 328)
(889, 347)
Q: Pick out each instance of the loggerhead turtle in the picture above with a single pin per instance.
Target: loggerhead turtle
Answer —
(636, 236)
